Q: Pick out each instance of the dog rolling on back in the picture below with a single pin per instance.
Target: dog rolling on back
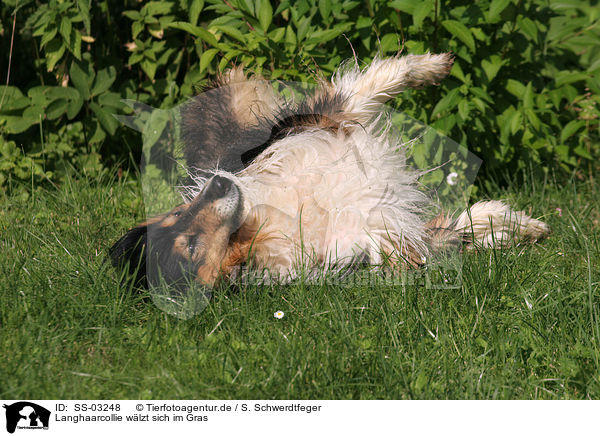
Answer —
(285, 184)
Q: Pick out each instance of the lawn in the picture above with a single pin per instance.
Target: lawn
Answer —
(523, 325)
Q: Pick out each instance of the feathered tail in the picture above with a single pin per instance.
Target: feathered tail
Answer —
(489, 224)
(367, 90)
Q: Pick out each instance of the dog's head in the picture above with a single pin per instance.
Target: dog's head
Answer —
(187, 244)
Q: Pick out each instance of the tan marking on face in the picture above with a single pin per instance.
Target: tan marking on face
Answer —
(167, 219)
(209, 235)
(171, 218)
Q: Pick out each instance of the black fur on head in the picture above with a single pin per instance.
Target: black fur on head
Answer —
(145, 254)
(129, 254)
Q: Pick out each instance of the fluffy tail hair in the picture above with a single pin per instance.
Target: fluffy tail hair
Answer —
(489, 224)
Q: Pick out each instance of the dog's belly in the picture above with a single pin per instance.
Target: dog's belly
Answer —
(330, 206)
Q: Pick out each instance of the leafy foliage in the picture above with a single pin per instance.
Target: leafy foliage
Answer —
(525, 87)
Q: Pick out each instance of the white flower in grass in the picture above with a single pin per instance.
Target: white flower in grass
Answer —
(279, 314)
(451, 178)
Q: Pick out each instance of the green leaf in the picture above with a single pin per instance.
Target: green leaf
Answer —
(528, 96)
(277, 34)
(106, 118)
(48, 36)
(492, 66)
(38, 95)
(496, 8)
(407, 6)
(110, 99)
(195, 9)
(84, 10)
(98, 133)
(290, 38)
(264, 13)
(35, 112)
(11, 95)
(481, 105)
(75, 105)
(478, 33)
(58, 92)
(56, 109)
(528, 28)
(233, 33)
(460, 31)
(448, 102)
(246, 6)
(14, 124)
(420, 383)
(364, 23)
(54, 52)
(104, 78)
(322, 36)
(136, 28)
(133, 15)
(228, 57)
(566, 77)
(570, 129)
(302, 28)
(80, 80)
(421, 11)
(533, 118)
(516, 122)
(284, 5)
(76, 44)
(135, 58)
(186, 27)
(149, 67)
(581, 151)
(208, 37)
(65, 29)
(153, 128)
(463, 109)
(156, 8)
(325, 9)
(515, 88)
(390, 43)
(207, 58)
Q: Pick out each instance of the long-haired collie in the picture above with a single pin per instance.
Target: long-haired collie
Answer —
(278, 184)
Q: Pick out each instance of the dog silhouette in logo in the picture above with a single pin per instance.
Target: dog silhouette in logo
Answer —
(30, 412)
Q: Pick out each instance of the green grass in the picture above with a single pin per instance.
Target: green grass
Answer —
(524, 325)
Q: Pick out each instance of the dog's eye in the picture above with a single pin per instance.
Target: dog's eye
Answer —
(177, 213)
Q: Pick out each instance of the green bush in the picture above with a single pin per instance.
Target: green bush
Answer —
(525, 87)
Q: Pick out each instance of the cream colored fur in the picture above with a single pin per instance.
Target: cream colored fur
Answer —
(494, 223)
(323, 198)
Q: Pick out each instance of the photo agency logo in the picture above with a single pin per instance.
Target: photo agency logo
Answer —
(25, 415)
(259, 182)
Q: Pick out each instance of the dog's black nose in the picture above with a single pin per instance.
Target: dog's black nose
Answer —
(219, 186)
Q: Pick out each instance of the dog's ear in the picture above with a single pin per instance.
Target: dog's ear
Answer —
(129, 254)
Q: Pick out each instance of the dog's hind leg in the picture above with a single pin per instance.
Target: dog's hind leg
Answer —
(365, 91)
